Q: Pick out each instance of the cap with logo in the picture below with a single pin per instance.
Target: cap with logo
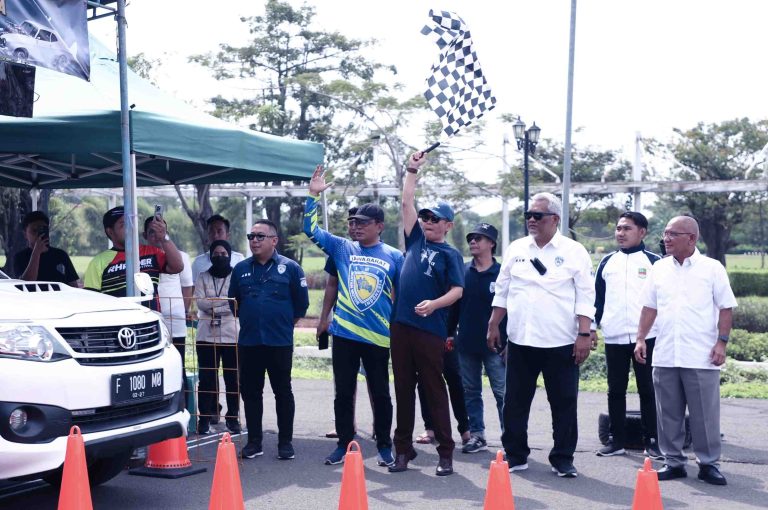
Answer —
(368, 212)
(484, 229)
(111, 216)
(441, 209)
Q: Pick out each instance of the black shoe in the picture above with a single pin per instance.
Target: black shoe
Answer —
(652, 451)
(711, 475)
(444, 466)
(234, 426)
(285, 451)
(401, 461)
(251, 450)
(203, 428)
(565, 470)
(668, 472)
(610, 450)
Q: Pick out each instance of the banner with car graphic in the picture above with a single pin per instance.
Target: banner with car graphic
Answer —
(46, 33)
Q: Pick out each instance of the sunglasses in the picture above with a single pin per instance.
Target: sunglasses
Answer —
(475, 237)
(258, 237)
(359, 222)
(537, 215)
(429, 218)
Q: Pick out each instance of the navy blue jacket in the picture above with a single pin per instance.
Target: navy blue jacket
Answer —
(270, 297)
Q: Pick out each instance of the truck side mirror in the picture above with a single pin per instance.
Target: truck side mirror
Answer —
(143, 283)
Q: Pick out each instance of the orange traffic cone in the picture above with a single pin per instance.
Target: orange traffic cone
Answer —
(227, 492)
(75, 490)
(647, 493)
(167, 459)
(353, 493)
(498, 495)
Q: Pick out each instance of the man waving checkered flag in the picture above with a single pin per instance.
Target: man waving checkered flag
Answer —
(457, 90)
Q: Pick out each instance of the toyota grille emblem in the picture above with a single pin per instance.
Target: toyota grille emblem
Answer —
(126, 337)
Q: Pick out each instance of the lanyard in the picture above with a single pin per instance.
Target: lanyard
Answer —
(220, 289)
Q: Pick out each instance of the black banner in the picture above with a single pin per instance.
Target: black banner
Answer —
(46, 33)
(17, 89)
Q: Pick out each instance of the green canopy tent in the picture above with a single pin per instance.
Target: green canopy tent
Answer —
(73, 141)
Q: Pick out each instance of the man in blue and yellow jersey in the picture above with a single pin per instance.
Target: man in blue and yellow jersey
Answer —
(368, 272)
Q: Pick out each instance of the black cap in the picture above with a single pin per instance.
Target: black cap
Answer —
(225, 244)
(369, 212)
(111, 216)
(485, 229)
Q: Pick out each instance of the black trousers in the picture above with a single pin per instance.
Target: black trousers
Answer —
(561, 380)
(180, 342)
(452, 376)
(277, 363)
(347, 355)
(618, 357)
(417, 356)
(210, 357)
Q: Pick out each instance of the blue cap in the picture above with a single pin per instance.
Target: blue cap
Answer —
(441, 209)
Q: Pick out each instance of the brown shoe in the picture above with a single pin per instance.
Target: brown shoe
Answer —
(444, 466)
(401, 461)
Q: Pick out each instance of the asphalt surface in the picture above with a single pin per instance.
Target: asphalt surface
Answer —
(305, 483)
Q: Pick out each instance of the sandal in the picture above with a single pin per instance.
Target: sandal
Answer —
(426, 438)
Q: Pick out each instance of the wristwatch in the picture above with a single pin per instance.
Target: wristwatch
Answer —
(723, 338)
(584, 334)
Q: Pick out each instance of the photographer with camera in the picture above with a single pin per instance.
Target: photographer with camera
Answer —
(39, 261)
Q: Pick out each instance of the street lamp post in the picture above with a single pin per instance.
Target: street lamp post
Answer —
(526, 140)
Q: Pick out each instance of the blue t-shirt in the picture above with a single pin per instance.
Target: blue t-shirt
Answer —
(429, 272)
(368, 277)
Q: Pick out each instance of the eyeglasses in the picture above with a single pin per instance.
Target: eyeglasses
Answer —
(359, 222)
(537, 215)
(673, 235)
(474, 237)
(258, 237)
(429, 218)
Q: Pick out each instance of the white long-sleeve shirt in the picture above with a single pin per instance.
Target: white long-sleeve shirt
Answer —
(542, 309)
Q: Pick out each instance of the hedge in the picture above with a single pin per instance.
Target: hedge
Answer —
(746, 346)
(748, 283)
(751, 314)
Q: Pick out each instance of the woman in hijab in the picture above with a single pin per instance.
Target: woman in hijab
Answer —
(216, 341)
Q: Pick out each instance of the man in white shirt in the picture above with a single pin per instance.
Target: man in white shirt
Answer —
(218, 230)
(689, 298)
(618, 282)
(175, 292)
(546, 290)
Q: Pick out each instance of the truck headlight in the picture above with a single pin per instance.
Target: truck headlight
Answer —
(31, 343)
(166, 334)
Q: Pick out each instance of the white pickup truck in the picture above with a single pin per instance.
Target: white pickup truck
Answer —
(75, 357)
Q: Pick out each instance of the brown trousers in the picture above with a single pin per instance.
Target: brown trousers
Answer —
(417, 356)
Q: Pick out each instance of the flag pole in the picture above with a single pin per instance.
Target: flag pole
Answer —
(432, 147)
(568, 119)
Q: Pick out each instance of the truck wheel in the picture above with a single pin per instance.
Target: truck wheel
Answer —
(103, 470)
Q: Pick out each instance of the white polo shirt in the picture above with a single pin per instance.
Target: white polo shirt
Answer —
(542, 309)
(688, 298)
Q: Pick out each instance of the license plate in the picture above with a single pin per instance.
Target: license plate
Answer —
(136, 386)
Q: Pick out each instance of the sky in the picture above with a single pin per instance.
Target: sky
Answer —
(643, 66)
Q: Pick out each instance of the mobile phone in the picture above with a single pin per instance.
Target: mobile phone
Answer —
(541, 268)
(322, 340)
(43, 231)
(158, 211)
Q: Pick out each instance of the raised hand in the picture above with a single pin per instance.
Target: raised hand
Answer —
(317, 184)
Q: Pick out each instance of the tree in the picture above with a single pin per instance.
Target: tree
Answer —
(15, 204)
(291, 63)
(721, 151)
(587, 165)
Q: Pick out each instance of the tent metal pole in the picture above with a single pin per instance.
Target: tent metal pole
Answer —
(564, 220)
(129, 169)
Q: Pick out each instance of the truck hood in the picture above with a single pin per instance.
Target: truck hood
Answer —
(43, 301)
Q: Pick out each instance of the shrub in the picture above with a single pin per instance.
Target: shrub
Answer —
(316, 279)
(594, 367)
(746, 346)
(733, 373)
(749, 283)
(751, 314)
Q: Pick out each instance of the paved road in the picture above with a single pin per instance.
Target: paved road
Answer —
(305, 483)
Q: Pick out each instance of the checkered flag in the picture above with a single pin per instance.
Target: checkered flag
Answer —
(457, 90)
